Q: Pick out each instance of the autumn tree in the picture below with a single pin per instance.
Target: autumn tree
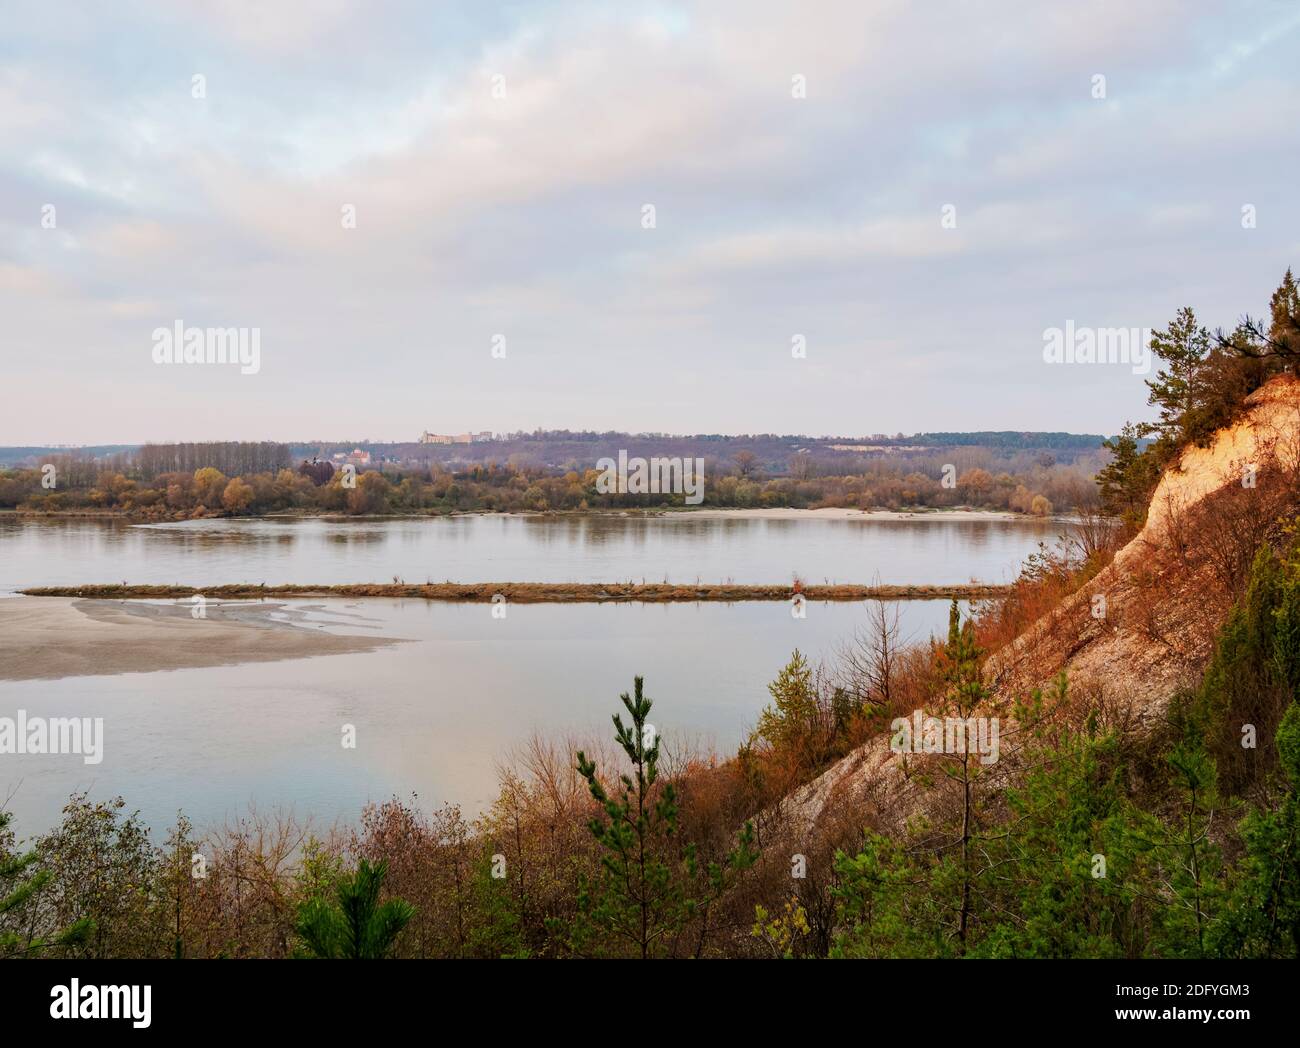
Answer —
(209, 485)
(976, 484)
(746, 462)
(370, 495)
(102, 866)
(238, 496)
(22, 880)
(318, 472)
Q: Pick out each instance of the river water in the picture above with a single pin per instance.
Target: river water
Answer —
(679, 547)
(435, 716)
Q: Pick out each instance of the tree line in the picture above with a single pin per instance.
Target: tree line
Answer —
(232, 457)
(1037, 488)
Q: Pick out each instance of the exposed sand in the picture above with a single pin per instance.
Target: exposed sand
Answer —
(43, 638)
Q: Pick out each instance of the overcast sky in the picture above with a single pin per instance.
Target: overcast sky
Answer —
(499, 159)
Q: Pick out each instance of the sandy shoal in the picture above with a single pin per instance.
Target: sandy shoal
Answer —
(42, 638)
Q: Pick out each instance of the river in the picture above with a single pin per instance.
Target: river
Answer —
(435, 716)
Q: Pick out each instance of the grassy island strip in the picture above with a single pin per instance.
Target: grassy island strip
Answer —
(532, 592)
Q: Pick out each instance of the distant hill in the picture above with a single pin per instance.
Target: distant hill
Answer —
(557, 448)
(1011, 440)
(32, 455)
(772, 452)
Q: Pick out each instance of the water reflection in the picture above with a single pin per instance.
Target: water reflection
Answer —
(675, 548)
(434, 716)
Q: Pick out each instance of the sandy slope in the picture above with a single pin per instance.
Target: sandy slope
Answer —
(1145, 645)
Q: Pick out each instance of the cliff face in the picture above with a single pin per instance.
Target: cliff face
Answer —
(1145, 626)
(1267, 436)
(1140, 630)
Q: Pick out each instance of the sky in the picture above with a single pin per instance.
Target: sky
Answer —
(436, 215)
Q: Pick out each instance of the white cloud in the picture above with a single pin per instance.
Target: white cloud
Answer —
(479, 214)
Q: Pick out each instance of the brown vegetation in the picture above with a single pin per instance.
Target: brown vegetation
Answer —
(193, 481)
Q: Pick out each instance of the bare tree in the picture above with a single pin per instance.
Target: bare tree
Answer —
(801, 465)
(870, 661)
(1090, 535)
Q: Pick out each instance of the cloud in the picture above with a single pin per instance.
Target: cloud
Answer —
(498, 162)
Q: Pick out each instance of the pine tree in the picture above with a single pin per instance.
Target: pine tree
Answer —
(641, 900)
(1191, 859)
(356, 926)
(1284, 319)
(884, 902)
(1263, 918)
(1068, 864)
(1126, 481)
(1183, 346)
(792, 724)
(966, 692)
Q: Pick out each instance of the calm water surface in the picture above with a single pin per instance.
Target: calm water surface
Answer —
(435, 716)
(675, 548)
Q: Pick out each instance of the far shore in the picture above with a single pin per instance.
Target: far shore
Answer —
(706, 513)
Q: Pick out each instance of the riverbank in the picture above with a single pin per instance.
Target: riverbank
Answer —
(44, 639)
(527, 592)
